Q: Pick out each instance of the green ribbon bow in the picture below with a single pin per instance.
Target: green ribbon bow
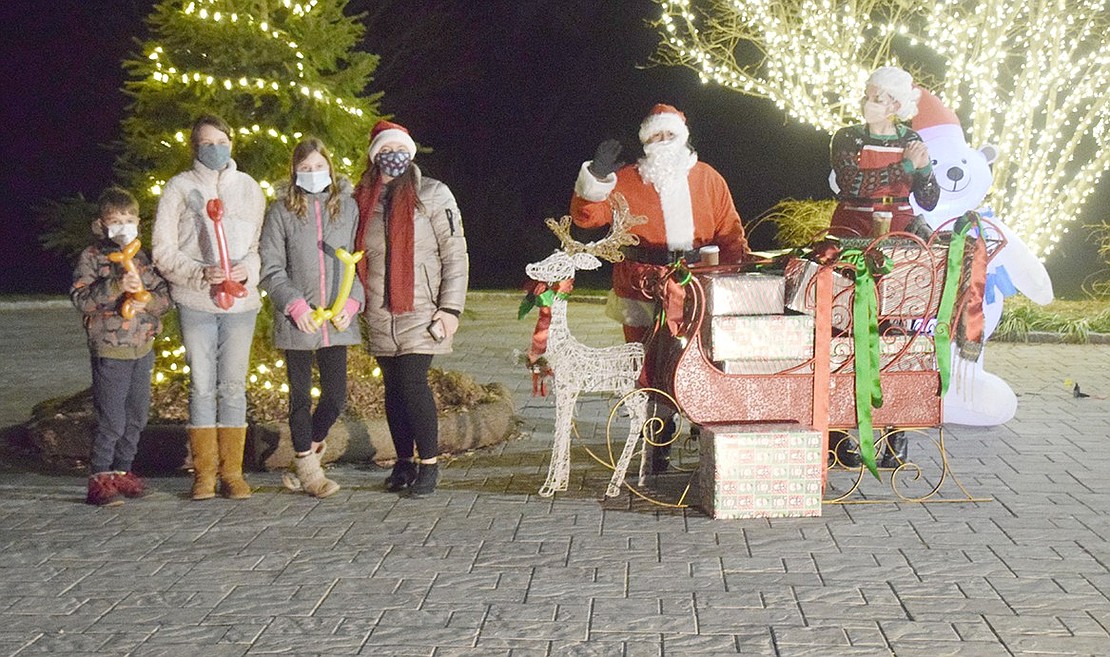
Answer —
(942, 334)
(865, 332)
(538, 300)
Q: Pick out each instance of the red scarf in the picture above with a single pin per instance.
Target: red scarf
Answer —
(399, 239)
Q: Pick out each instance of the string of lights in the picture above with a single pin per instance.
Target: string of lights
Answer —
(1030, 78)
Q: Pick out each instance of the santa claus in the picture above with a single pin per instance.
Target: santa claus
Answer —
(686, 202)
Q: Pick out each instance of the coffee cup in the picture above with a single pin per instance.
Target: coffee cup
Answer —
(880, 223)
(709, 255)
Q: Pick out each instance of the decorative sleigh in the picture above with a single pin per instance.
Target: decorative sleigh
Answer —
(818, 388)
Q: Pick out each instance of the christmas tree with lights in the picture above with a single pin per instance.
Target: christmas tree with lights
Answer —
(276, 70)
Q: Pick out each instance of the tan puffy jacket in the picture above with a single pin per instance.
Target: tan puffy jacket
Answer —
(441, 270)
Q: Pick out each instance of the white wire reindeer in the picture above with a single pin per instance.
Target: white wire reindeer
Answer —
(580, 369)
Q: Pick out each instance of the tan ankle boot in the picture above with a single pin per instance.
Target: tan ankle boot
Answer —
(232, 441)
(312, 476)
(202, 443)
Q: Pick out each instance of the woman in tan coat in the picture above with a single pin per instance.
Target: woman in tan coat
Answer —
(414, 273)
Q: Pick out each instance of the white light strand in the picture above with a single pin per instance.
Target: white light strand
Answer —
(1030, 78)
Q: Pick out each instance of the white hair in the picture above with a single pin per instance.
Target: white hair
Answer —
(899, 84)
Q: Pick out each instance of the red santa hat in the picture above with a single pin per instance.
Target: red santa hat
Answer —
(385, 132)
(934, 119)
(664, 117)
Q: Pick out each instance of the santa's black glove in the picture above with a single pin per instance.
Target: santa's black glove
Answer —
(918, 227)
(605, 159)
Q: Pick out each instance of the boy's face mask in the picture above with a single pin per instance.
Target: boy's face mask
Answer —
(121, 227)
(123, 234)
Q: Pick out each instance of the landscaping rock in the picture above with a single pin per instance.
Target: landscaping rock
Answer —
(60, 433)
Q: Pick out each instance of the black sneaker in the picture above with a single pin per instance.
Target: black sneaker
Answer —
(427, 476)
(404, 472)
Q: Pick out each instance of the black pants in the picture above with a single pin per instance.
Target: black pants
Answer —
(410, 407)
(308, 427)
(121, 397)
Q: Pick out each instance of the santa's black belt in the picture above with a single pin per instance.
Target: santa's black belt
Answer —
(878, 200)
(650, 256)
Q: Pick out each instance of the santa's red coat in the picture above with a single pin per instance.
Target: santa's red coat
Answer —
(715, 218)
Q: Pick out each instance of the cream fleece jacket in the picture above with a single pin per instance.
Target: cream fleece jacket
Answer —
(184, 238)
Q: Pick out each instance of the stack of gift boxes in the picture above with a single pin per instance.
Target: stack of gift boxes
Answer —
(907, 297)
(758, 470)
(762, 324)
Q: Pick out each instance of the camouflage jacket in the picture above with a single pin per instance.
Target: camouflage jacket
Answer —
(97, 292)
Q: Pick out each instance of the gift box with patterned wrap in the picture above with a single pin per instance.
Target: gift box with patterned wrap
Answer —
(913, 286)
(766, 366)
(744, 294)
(763, 337)
(760, 471)
(801, 291)
(897, 353)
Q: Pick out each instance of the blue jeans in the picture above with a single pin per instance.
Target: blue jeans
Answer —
(121, 396)
(217, 349)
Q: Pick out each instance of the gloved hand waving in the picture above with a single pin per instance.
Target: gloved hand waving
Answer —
(605, 159)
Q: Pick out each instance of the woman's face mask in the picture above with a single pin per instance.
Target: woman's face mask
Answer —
(878, 106)
(393, 163)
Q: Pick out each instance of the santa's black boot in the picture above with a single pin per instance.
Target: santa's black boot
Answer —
(844, 450)
(897, 450)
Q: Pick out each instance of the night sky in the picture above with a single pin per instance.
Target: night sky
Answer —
(511, 95)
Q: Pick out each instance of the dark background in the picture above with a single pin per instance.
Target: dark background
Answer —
(511, 95)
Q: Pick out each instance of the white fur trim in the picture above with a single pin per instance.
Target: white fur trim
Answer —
(392, 134)
(669, 121)
(590, 188)
(941, 131)
(678, 215)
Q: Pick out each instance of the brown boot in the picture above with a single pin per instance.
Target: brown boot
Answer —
(312, 476)
(232, 441)
(202, 443)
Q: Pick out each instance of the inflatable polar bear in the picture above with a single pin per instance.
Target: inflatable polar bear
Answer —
(976, 397)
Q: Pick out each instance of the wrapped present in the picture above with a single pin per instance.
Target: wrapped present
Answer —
(801, 291)
(744, 294)
(760, 471)
(897, 353)
(761, 337)
(913, 286)
(765, 366)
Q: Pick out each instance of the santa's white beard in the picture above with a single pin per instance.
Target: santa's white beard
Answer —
(664, 162)
(666, 165)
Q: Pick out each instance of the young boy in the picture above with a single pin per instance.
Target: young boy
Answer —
(122, 302)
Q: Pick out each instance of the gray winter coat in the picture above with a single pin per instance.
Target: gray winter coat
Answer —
(441, 270)
(299, 262)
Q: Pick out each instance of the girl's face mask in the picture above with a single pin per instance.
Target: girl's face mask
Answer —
(313, 182)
